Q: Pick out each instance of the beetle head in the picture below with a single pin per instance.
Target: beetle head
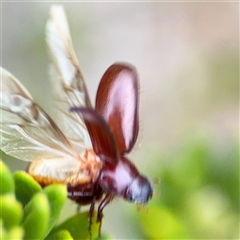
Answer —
(139, 191)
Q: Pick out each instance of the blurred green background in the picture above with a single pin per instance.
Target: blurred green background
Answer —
(187, 56)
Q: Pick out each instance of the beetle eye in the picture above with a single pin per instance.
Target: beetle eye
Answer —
(140, 191)
(128, 194)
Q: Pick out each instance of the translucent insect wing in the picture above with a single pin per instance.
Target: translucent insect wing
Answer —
(27, 132)
(67, 80)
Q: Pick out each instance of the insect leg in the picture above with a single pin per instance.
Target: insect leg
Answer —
(90, 215)
(102, 205)
(78, 208)
(104, 202)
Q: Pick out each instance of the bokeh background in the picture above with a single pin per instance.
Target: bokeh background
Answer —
(187, 56)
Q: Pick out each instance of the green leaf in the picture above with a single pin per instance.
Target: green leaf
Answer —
(7, 183)
(10, 212)
(57, 195)
(25, 187)
(62, 235)
(13, 233)
(78, 226)
(36, 217)
(160, 223)
(104, 237)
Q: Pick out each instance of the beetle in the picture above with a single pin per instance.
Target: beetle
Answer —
(84, 148)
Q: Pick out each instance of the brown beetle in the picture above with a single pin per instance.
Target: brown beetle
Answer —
(86, 147)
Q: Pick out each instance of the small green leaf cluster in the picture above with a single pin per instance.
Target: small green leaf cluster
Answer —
(30, 212)
(27, 210)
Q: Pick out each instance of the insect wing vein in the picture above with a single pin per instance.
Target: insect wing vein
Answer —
(68, 83)
(27, 132)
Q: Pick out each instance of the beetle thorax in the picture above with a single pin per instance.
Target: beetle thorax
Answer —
(115, 180)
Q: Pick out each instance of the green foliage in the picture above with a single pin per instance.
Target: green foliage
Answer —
(26, 187)
(158, 216)
(56, 196)
(36, 217)
(76, 231)
(199, 195)
(7, 183)
(61, 235)
(30, 212)
(12, 213)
